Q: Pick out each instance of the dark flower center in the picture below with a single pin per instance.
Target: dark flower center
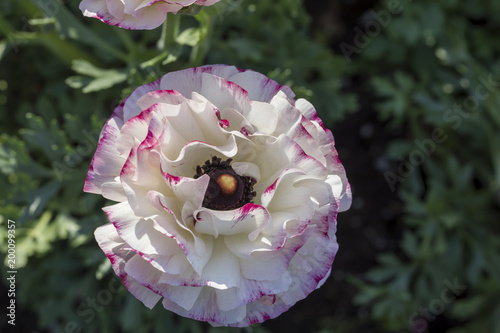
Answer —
(226, 190)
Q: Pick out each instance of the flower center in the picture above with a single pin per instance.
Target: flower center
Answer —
(226, 189)
(227, 184)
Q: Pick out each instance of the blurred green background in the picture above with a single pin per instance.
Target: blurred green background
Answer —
(410, 90)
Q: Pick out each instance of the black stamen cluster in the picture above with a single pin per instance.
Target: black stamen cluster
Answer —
(211, 166)
(214, 197)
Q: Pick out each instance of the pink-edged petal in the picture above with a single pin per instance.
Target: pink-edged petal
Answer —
(251, 290)
(259, 87)
(115, 9)
(138, 232)
(131, 108)
(117, 252)
(346, 199)
(282, 153)
(206, 309)
(133, 6)
(221, 272)
(188, 80)
(197, 248)
(285, 176)
(206, 2)
(258, 312)
(185, 297)
(241, 246)
(224, 94)
(263, 117)
(113, 190)
(96, 9)
(292, 213)
(107, 162)
(267, 300)
(323, 280)
(326, 145)
(172, 97)
(308, 110)
(184, 120)
(196, 153)
(313, 261)
(184, 3)
(309, 143)
(176, 263)
(187, 189)
(141, 271)
(286, 113)
(268, 265)
(249, 219)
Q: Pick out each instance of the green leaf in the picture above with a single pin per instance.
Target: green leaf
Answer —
(103, 78)
(105, 82)
(410, 244)
(190, 37)
(14, 159)
(78, 82)
(466, 308)
(38, 199)
(3, 48)
(84, 67)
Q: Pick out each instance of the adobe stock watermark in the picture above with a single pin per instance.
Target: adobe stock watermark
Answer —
(84, 149)
(419, 320)
(11, 272)
(71, 160)
(454, 116)
(372, 28)
(88, 309)
(49, 9)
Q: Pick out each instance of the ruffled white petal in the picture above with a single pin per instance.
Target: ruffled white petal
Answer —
(116, 250)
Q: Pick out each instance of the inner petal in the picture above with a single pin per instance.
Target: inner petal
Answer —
(249, 220)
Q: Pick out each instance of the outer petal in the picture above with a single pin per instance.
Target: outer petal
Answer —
(118, 253)
(313, 261)
(258, 86)
(107, 161)
(138, 232)
(188, 80)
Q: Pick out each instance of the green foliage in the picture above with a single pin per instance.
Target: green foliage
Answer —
(447, 81)
(273, 38)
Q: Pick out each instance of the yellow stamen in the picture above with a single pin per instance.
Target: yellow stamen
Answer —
(227, 184)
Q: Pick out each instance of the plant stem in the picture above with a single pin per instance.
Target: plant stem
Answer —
(64, 50)
(127, 41)
(169, 31)
(199, 51)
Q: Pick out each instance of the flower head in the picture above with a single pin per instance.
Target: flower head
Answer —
(228, 191)
(137, 14)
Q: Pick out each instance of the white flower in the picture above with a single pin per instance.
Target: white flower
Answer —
(228, 191)
(136, 14)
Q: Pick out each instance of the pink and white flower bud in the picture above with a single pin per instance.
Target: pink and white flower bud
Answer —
(137, 14)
